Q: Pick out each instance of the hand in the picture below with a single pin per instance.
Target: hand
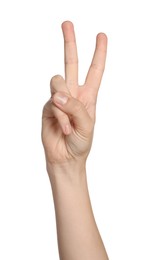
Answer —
(69, 116)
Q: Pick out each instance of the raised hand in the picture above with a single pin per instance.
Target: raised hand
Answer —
(67, 130)
(69, 116)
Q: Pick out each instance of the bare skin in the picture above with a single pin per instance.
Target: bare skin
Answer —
(67, 132)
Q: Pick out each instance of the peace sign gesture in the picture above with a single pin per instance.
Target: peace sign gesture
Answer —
(69, 116)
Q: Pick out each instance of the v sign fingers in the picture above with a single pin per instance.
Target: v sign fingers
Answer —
(69, 116)
(70, 58)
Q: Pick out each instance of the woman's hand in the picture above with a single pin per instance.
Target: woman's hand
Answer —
(69, 116)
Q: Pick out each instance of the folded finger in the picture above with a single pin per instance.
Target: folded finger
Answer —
(57, 83)
(54, 115)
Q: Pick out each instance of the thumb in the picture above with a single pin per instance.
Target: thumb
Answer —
(76, 111)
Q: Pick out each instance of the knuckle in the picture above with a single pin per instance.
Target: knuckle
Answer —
(55, 79)
(97, 67)
(71, 82)
(71, 61)
(46, 107)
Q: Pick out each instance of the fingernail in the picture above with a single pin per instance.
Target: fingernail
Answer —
(60, 99)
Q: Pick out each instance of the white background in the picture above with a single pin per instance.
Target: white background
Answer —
(31, 52)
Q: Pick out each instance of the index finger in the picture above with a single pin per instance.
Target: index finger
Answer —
(70, 57)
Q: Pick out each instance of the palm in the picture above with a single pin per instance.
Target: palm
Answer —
(53, 136)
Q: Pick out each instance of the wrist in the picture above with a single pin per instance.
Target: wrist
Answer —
(70, 173)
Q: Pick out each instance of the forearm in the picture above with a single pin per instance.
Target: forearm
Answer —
(78, 236)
